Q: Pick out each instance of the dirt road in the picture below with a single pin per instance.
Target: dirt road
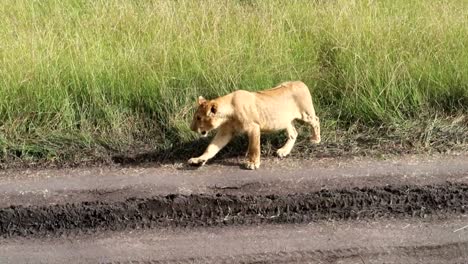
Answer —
(386, 241)
(402, 210)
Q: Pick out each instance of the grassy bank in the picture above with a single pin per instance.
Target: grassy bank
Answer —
(84, 79)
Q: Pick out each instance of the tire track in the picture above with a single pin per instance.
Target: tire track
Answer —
(178, 210)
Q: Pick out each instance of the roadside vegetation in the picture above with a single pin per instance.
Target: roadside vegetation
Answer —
(81, 81)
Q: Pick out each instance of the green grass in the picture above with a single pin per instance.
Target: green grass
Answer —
(87, 78)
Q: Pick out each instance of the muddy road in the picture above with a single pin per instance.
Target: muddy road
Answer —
(410, 209)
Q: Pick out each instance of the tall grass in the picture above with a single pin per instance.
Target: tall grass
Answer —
(107, 75)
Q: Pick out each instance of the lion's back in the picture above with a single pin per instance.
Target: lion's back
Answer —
(273, 108)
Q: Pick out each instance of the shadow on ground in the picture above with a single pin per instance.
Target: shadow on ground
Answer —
(180, 153)
(184, 151)
(356, 141)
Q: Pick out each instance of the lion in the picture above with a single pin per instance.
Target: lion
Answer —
(252, 113)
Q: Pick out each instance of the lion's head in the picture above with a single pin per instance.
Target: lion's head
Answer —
(205, 118)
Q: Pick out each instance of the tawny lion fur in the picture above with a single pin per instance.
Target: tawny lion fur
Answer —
(252, 113)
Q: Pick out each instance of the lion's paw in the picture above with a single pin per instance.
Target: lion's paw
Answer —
(282, 153)
(196, 161)
(252, 165)
(315, 140)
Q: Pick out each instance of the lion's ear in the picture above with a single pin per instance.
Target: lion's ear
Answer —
(201, 100)
(214, 108)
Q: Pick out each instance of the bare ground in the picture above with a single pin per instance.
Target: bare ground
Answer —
(357, 241)
(410, 209)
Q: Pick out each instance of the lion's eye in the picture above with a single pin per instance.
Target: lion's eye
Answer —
(198, 118)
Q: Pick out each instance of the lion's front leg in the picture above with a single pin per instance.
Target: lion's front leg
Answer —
(253, 161)
(219, 141)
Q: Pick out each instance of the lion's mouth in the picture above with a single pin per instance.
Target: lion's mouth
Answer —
(203, 133)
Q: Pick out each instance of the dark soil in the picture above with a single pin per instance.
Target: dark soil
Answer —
(178, 210)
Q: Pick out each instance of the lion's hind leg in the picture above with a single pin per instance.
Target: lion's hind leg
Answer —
(314, 122)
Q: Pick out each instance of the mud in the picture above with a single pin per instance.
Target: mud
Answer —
(177, 210)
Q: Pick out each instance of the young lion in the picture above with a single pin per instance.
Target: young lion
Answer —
(252, 112)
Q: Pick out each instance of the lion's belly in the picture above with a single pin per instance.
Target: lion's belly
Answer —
(274, 127)
(277, 121)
